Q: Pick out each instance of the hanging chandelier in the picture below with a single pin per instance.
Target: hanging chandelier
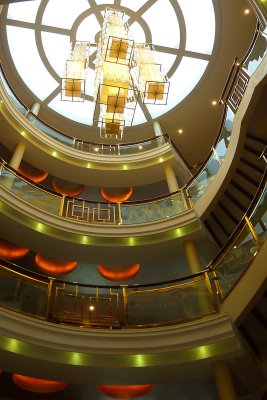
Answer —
(124, 71)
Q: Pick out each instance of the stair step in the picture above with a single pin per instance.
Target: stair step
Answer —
(230, 208)
(262, 307)
(242, 200)
(247, 176)
(213, 234)
(250, 173)
(255, 330)
(225, 219)
(242, 188)
(249, 188)
(253, 164)
(218, 233)
(251, 149)
(257, 139)
(233, 197)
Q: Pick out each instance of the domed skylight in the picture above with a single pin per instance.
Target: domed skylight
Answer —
(39, 35)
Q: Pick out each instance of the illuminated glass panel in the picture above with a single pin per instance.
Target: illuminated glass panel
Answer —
(28, 62)
(162, 20)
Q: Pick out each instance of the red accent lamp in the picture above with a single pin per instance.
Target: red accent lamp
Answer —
(116, 195)
(37, 385)
(125, 391)
(54, 267)
(117, 274)
(11, 251)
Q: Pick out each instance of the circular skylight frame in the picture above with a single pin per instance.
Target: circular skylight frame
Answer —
(184, 54)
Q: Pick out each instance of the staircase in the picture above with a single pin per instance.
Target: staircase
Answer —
(239, 193)
(254, 328)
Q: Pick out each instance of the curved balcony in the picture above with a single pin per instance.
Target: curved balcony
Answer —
(87, 161)
(134, 306)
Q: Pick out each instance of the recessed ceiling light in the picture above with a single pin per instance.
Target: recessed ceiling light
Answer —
(214, 103)
(96, 149)
(247, 11)
(140, 147)
(180, 131)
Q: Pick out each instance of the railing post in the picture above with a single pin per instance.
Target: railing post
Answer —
(2, 164)
(125, 304)
(62, 203)
(119, 211)
(210, 290)
(215, 152)
(217, 286)
(49, 293)
(253, 232)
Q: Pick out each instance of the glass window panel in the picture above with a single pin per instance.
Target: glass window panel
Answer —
(80, 112)
(139, 117)
(163, 24)
(56, 48)
(25, 11)
(200, 25)
(185, 78)
(28, 62)
(88, 29)
(62, 13)
(137, 33)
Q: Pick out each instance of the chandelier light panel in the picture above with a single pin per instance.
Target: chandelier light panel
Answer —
(123, 70)
(114, 89)
(74, 77)
(152, 83)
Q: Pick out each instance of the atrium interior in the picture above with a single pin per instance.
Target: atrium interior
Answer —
(134, 266)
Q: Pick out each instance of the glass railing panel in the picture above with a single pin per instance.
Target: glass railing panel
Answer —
(257, 53)
(23, 294)
(236, 260)
(29, 192)
(11, 95)
(259, 217)
(85, 306)
(202, 181)
(153, 211)
(141, 147)
(169, 305)
(225, 135)
(91, 212)
(50, 131)
(199, 185)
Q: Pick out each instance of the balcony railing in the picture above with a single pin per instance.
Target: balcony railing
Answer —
(232, 94)
(138, 306)
(79, 144)
(91, 212)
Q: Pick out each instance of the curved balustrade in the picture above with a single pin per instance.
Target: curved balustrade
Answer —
(78, 144)
(231, 97)
(154, 304)
(92, 212)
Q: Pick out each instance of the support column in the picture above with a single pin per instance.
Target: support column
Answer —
(192, 257)
(171, 179)
(15, 161)
(224, 382)
(157, 129)
(201, 290)
(17, 155)
(35, 108)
